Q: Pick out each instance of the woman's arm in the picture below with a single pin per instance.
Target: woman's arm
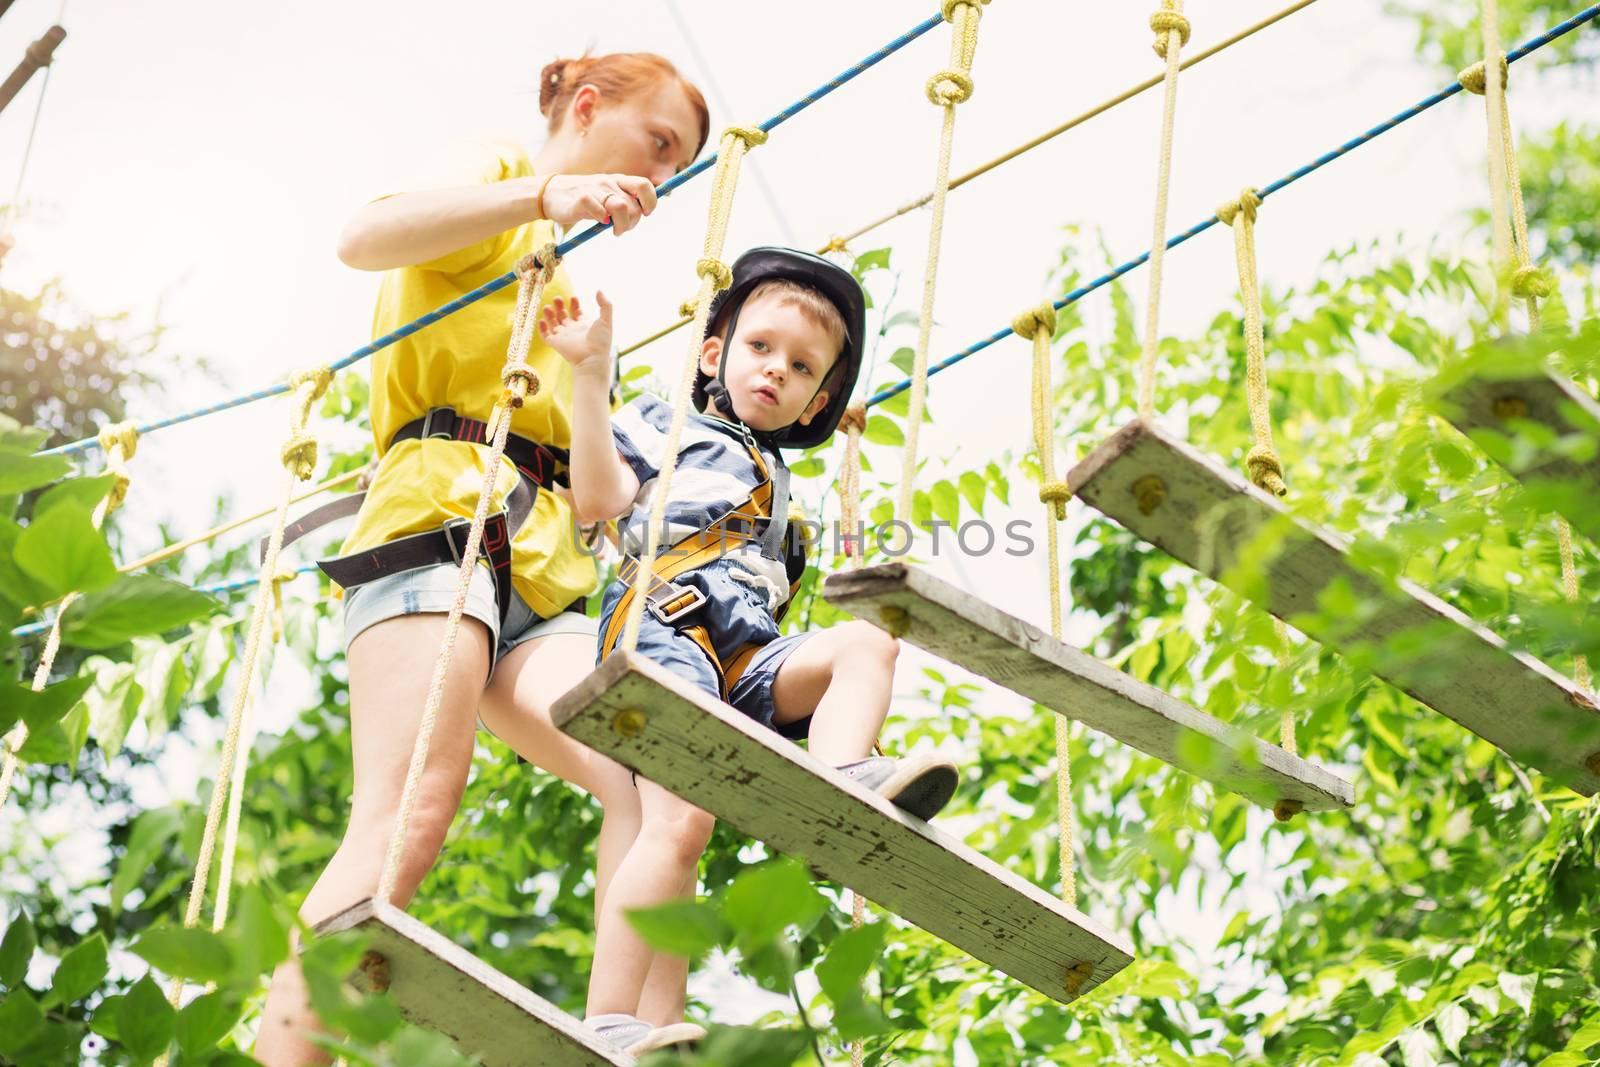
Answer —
(603, 485)
(411, 228)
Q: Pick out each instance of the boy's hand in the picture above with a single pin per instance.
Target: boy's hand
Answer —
(584, 340)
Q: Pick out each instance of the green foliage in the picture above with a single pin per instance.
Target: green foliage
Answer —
(1449, 32)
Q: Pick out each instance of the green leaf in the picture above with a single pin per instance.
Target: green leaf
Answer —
(59, 742)
(80, 971)
(206, 1020)
(679, 928)
(882, 430)
(83, 492)
(946, 502)
(260, 942)
(113, 704)
(16, 950)
(763, 901)
(20, 471)
(62, 552)
(151, 832)
(973, 489)
(21, 1022)
(138, 604)
(877, 259)
(904, 360)
(1418, 1048)
(1519, 988)
(145, 1020)
(42, 709)
(848, 960)
(1452, 1022)
(809, 467)
(185, 953)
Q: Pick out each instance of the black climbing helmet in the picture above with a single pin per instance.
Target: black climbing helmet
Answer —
(832, 281)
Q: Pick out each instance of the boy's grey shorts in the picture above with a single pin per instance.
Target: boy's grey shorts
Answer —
(432, 590)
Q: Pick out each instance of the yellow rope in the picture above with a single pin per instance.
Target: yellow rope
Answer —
(841, 243)
(1494, 96)
(533, 273)
(119, 441)
(299, 456)
(714, 275)
(946, 89)
(852, 422)
(1039, 326)
(1172, 32)
(1569, 587)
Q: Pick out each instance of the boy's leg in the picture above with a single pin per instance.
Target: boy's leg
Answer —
(662, 861)
(843, 678)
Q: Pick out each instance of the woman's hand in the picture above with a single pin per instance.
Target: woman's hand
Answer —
(583, 340)
(621, 199)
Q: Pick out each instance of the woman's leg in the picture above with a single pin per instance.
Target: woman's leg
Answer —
(391, 665)
(516, 708)
(662, 861)
(666, 987)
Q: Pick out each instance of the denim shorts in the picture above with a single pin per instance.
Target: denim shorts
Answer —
(432, 590)
(735, 615)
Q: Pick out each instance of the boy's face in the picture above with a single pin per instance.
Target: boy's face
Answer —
(777, 360)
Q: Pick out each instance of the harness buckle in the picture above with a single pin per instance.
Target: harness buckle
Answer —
(427, 424)
(450, 528)
(667, 618)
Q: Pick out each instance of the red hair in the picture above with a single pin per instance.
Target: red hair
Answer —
(618, 76)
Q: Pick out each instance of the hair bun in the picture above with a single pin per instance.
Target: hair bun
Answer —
(550, 84)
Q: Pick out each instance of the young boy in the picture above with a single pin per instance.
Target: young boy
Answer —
(777, 367)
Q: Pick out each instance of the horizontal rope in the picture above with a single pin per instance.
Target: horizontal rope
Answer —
(664, 189)
(230, 586)
(1524, 50)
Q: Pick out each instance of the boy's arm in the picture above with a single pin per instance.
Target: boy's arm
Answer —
(603, 485)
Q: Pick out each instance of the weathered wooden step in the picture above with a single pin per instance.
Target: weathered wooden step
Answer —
(671, 732)
(1203, 514)
(959, 627)
(1550, 400)
(441, 986)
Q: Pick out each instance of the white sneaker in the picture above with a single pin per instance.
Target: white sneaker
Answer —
(921, 784)
(669, 1036)
(620, 1030)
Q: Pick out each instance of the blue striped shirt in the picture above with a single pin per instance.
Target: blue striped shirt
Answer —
(715, 474)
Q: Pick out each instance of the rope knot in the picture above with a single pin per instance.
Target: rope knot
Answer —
(1248, 204)
(949, 88)
(118, 491)
(539, 264)
(854, 419)
(1266, 470)
(515, 374)
(835, 244)
(300, 454)
(719, 273)
(1531, 282)
(949, 8)
(752, 136)
(1033, 320)
(123, 436)
(1168, 21)
(319, 378)
(687, 309)
(1056, 494)
(1475, 79)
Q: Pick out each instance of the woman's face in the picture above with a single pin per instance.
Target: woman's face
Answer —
(653, 135)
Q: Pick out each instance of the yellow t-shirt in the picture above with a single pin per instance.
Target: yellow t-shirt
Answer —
(456, 363)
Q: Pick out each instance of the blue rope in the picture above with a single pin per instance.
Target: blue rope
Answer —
(216, 587)
(1533, 45)
(665, 189)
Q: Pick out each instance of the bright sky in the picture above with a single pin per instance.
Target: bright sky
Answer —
(194, 166)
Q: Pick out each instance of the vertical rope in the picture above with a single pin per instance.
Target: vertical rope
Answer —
(1261, 462)
(1172, 33)
(299, 456)
(1531, 284)
(1039, 326)
(1494, 95)
(714, 275)
(533, 273)
(119, 441)
(946, 89)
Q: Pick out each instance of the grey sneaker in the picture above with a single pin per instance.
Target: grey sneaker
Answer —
(920, 784)
(619, 1029)
(673, 1035)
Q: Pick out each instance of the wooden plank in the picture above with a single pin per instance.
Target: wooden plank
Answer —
(1203, 514)
(966, 631)
(674, 734)
(441, 986)
(1481, 404)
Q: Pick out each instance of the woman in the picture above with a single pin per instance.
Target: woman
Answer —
(618, 125)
